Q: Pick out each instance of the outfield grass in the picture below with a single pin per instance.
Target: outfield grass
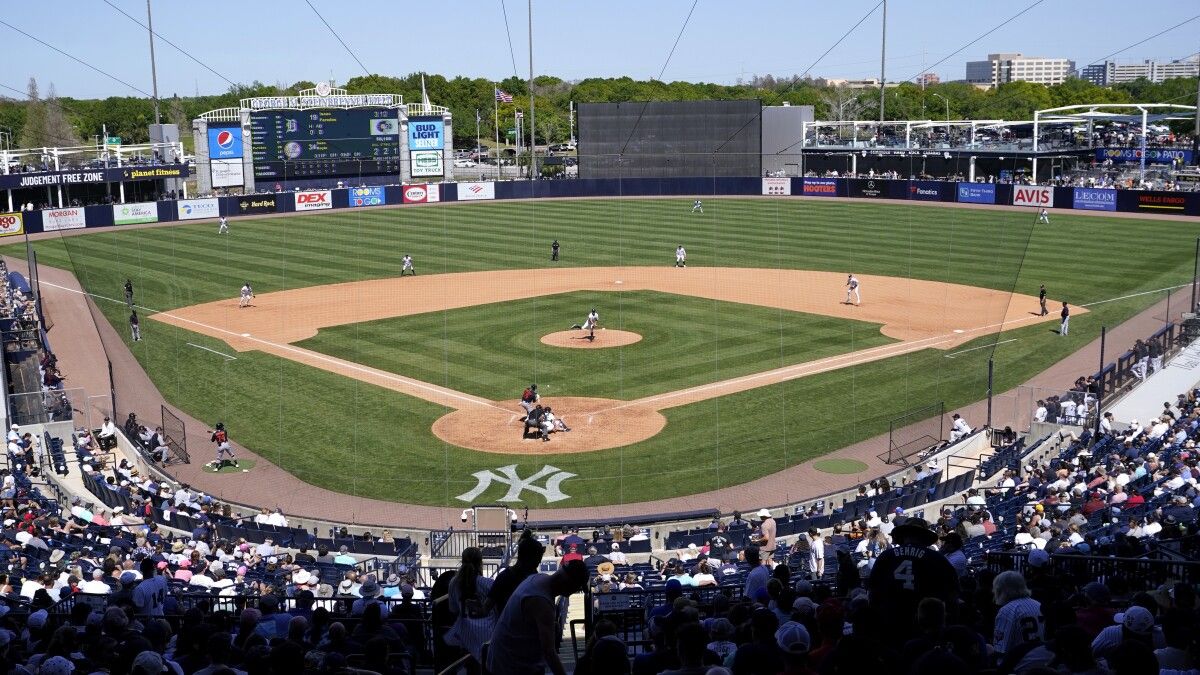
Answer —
(494, 351)
(352, 437)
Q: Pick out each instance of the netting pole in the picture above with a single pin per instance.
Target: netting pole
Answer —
(991, 370)
(1100, 388)
(1195, 274)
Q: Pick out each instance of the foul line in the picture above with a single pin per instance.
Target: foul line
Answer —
(995, 344)
(192, 344)
(1135, 295)
(348, 365)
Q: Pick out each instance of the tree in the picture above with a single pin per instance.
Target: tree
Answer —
(33, 132)
(177, 116)
(59, 130)
(842, 103)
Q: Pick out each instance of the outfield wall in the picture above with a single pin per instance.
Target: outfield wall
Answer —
(1071, 198)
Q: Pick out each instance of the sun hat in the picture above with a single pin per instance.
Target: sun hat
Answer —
(605, 568)
(764, 513)
(301, 577)
(915, 528)
(369, 590)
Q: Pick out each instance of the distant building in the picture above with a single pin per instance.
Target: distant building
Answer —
(1110, 72)
(865, 83)
(1003, 68)
(925, 79)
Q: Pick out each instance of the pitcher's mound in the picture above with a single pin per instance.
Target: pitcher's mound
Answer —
(596, 424)
(578, 339)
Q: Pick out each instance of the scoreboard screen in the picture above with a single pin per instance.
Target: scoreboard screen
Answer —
(321, 143)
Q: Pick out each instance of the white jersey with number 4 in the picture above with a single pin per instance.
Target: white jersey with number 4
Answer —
(1018, 622)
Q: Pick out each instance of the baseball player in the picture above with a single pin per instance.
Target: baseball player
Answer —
(697, 206)
(247, 295)
(852, 288)
(224, 447)
(589, 324)
(554, 251)
(529, 399)
(407, 265)
(135, 326)
(223, 228)
(1042, 299)
(1043, 217)
(680, 256)
(129, 293)
(1066, 320)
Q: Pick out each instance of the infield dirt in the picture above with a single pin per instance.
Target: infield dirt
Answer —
(920, 314)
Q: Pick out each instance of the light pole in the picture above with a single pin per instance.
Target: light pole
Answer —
(947, 102)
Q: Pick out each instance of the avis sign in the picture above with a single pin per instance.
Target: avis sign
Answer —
(314, 200)
(507, 475)
(1029, 195)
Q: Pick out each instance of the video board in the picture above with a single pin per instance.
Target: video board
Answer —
(325, 142)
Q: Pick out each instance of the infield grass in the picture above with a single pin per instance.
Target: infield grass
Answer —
(363, 440)
(494, 350)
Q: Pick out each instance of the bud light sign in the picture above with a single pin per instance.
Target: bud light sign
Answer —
(224, 142)
(1095, 199)
(426, 134)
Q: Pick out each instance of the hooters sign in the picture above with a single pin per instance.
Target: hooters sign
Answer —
(11, 223)
(314, 200)
(1029, 195)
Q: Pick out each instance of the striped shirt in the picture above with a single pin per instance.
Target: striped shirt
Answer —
(1018, 622)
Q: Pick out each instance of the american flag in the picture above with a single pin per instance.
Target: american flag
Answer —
(503, 96)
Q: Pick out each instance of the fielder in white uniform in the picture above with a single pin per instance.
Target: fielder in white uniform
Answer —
(680, 256)
(247, 296)
(407, 265)
(223, 228)
(697, 206)
(589, 324)
(852, 288)
(1043, 217)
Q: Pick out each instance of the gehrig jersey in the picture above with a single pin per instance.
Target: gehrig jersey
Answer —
(903, 575)
(1018, 622)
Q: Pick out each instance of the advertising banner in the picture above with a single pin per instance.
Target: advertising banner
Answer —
(367, 196)
(977, 193)
(63, 219)
(225, 142)
(470, 192)
(871, 188)
(422, 194)
(927, 190)
(314, 200)
(1032, 195)
(113, 174)
(256, 204)
(777, 186)
(426, 133)
(227, 172)
(195, 209)
(138, 212)
(11, 224)
(820, 187)
(1095, 199)
(1154, 202)
(427, 163)
(1153, 155)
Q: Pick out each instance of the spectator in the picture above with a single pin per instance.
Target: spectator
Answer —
(528, 621)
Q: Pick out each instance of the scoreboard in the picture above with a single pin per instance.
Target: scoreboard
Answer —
(325, 143)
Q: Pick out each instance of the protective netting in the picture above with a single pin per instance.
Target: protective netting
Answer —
(345, 381)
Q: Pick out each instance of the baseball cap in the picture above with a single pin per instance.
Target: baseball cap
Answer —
(793, 638)
(1038, 558)
(1136, 619)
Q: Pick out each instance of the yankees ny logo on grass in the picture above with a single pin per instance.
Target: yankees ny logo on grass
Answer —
(516, 485)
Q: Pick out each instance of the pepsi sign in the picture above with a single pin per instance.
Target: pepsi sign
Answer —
(224, 142)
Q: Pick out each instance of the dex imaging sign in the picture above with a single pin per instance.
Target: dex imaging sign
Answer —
(1029, 195)
(314, 200)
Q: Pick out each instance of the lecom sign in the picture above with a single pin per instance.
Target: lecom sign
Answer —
(314, 200)
(1028, 195)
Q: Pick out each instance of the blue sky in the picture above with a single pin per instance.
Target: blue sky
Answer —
(284, 41)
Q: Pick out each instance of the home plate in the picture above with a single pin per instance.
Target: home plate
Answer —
(619, 281)
(245, 335)
(959, 330)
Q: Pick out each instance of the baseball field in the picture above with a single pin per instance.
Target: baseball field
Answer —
(743, 364)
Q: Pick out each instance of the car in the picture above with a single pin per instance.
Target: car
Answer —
(562, 147)
(463, 164)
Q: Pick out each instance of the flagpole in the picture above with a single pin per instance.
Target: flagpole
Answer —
(477, 132)
(496, 103)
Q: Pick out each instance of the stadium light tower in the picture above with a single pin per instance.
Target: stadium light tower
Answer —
(153, 68)
(882, 61)
(533, 173)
